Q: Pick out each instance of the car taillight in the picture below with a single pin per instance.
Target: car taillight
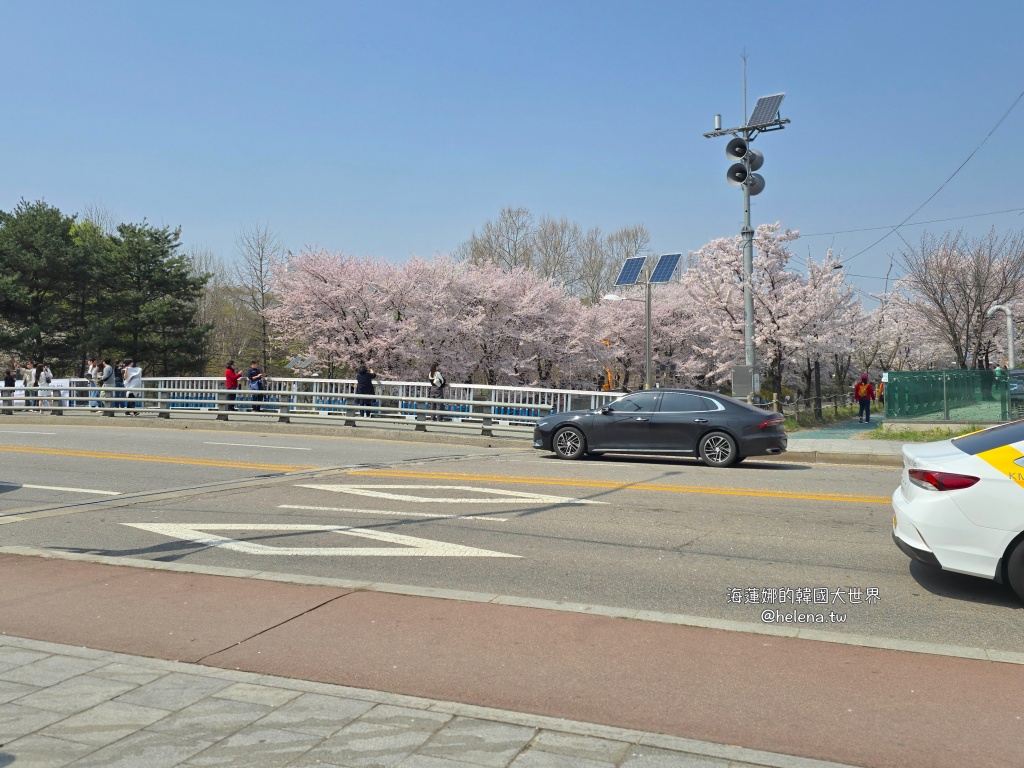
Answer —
(774, 421)
(941, 481)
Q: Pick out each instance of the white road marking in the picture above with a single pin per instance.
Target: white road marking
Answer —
(23, 432)
(504, 496)
(410, 546)
(396, 514)
(252, 445)
(59, 488)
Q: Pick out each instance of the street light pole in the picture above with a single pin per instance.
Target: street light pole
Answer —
(1011, 359)
(649, 379)
(748, 276)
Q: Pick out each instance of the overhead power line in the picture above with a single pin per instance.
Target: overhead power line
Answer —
(943, 185)
(894, 227)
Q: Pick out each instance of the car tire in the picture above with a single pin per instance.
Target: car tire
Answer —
(1015, 570)
(569, 443)
(718, 449)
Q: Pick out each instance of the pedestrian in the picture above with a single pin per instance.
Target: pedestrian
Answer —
(106, 382)
(133, 387)
(880, 394)
(257, 384)
(119, 383)
(26, 383)
(437, 385)
(364, 386)
(231, 377)
(864, 393)
(96, 369)
(41, 378)
(8, 391)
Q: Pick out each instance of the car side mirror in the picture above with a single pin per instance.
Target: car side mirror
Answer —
(605, 411)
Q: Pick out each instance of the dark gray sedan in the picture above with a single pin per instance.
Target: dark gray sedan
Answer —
(720, 430)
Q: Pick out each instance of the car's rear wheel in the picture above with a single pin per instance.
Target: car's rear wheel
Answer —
(717, 449)
(1015, 569)
(569, 443)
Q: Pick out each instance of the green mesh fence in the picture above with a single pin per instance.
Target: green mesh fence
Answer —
(969, 396)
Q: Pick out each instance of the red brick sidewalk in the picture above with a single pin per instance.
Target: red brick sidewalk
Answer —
(828, 701)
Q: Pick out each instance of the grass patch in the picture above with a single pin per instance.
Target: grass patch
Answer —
(918, 435)
(830, 415)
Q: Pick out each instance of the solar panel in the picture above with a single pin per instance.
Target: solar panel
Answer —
(630, 271)
(766, 109)
(666, 266)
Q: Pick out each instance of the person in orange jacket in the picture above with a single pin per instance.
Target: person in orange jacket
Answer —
(864, 393)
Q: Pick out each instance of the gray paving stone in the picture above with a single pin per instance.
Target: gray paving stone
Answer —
(368, 745)
(406, 717)
(77, 694)
(316, 714)
(51, 670)
(17, 657)
(212, 719)
(425, 761)
(128, 673)
(174, 691)
(145, 749)
(481, 742)
(649, 757)
(17, 721)
(12, 691)
(585, 747)
(105, 723)
(256, 747)
(534, 758)
(38, 751)
(257, 694)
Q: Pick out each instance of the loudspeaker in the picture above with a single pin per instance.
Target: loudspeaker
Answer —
(755, 182)
(755, 160)
(736, 148)
(736, 174)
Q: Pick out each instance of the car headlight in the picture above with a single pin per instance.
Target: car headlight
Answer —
(542, 423)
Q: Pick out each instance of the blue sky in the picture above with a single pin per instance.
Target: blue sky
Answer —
(397, 128)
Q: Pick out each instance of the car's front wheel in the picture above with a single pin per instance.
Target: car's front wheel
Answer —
(569, 443)
(1015, 569)
(717, 449)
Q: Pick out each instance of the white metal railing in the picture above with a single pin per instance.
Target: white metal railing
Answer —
(473, 406)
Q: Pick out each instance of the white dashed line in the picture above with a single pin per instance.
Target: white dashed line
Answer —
(59, 488)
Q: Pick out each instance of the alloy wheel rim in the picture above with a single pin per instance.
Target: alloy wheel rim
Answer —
(568, 443)
(717, 449)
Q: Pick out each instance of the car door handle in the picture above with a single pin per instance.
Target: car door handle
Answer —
(641, 418)
(700, 421)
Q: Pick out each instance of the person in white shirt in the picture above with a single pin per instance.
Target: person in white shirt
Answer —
(91, 372)
(40, 381)
(133, 386)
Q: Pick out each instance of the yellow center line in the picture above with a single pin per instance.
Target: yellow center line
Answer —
(155, 459)
(711, 491)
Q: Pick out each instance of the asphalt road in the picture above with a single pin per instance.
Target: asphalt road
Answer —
(665, 535)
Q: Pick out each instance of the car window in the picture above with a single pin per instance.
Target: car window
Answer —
(988, 439)
(680, 401)
(640, 401)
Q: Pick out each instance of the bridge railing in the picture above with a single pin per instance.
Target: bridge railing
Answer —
(472, 406)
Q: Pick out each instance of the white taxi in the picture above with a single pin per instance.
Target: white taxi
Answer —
(961, 504)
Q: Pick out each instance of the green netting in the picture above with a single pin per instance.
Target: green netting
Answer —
(970, 396)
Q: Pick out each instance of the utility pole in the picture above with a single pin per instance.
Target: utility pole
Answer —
(766, 117)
